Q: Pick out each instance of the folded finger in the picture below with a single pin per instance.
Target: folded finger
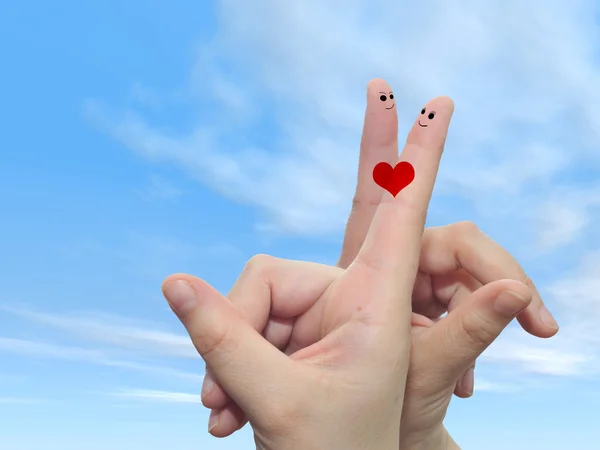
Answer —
(463, 245)
(452, 345)
(267, 287)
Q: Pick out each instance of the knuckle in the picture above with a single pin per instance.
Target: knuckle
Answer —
(413, 206)
(360, 202)
(478, 329)
(282, 417)
(465, 227)
(220, 339)
(259, 263)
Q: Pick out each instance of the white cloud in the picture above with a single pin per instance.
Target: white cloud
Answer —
(522, 74)
(482, 385)
(143, 337)
(575, 350)
(524, 77)
(563, 214)
(45, 350)
(157, 396)
(577, 297)
(560, 224)
(536, 358)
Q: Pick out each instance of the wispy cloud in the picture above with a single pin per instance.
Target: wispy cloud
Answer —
(482, 385)
(575, 351)
(45, 350)
(535, 358)
(157, 396)
(514, 131)
(524, 76)
(120, 332)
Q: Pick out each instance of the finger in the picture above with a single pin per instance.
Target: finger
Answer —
(455, 287)
(435, 295)
(274, 287)
(451, 346)
(391, 250)
(229, 345)
(268, 287)
(223, 423)
(466, 383)
(226, 416)
(463, 245)
(379, 143)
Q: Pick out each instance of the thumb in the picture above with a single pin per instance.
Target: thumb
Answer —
(457, 340)
(248, 367)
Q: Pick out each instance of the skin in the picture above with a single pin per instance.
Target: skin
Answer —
(427, 114)
(362, 330)
(454, 262)
(388, 99)
(439, 286)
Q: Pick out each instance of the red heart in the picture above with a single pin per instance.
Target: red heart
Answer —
(394, 179)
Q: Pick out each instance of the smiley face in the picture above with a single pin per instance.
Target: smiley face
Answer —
(429, 116)
(385, 96)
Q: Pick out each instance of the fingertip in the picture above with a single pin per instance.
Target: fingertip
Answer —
(225, 422)
(376, 82)
(176, 277)
(512, 299)
(460, 393)
(548, 320)
(216, 398)
(445, 100)
(377, 86)
(517, 288)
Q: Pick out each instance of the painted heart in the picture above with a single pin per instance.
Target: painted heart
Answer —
(394, 179)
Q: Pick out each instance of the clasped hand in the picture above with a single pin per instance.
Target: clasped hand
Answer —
(354, 356)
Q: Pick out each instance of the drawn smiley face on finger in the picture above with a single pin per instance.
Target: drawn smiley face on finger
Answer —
(385, 96)
(422, 121)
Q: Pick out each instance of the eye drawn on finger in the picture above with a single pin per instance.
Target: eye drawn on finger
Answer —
(431, 126)
(387, 98)
(429, 116)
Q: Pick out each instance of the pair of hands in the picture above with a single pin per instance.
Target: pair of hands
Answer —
(356, 356)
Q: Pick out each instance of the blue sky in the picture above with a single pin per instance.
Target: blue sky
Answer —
(145, 138)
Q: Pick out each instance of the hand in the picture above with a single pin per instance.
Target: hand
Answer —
(440, 285)
(455, 261)
(342, 386)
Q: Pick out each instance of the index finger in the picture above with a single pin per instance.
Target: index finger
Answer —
(379, 143)
(464, 245)
(393, 242)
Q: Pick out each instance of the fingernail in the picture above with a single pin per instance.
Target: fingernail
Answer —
(547, 318)
(180, 296)
(509, 303)
(208, 385)
(213, 419)
(468, 381)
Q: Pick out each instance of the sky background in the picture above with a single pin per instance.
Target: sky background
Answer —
(141, 138)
